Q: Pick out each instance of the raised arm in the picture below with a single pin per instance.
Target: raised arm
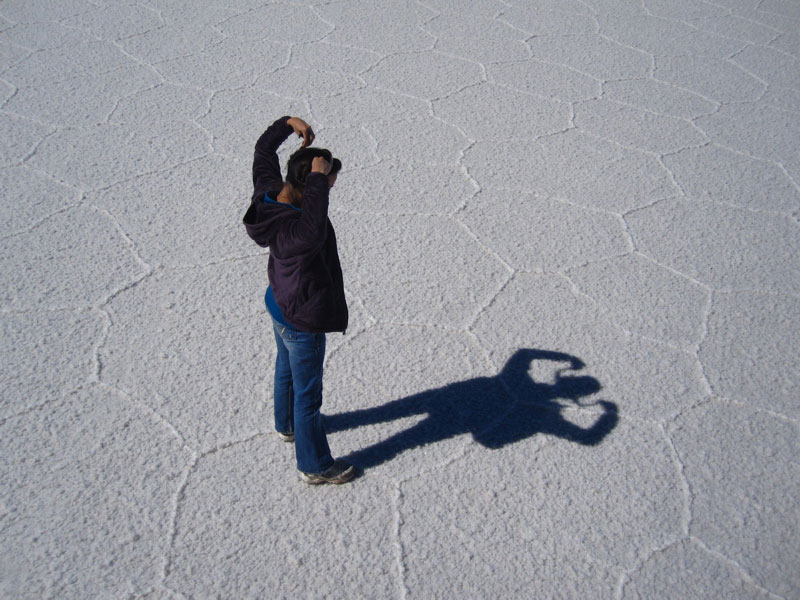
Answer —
(266, 168)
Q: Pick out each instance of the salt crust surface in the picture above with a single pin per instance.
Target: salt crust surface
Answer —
(569, 233)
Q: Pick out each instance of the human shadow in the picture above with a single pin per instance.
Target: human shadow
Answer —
(497, 411)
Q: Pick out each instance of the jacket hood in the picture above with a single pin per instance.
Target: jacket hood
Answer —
(263, 220)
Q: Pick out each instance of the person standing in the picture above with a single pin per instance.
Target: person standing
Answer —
(305, 296)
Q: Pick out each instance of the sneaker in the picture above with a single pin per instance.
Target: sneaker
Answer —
(340, 472)
(286, 437)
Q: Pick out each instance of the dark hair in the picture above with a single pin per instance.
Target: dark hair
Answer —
(299, 165)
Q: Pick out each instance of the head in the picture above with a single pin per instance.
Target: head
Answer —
(299, 166)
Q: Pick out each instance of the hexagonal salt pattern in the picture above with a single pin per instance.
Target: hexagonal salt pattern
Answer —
(89, 486)
(388, 261)
(147, 208)
(263, 533)
(267, 22)
(636, 128)
(232, 117)
(387, 28)
(646, 298)
(749, 351)
(99, 156)
(779, 129)
(169, 325)
(742, 462)
(398, 187)
(574, 166)
(658, 97)
(534, 116)
(210, 69)
(547, 235)
(435, 141)
(365, 105)
(569, 232)
(605, 484)
(595, 55)
(456, 36)
(30, 199)
(22, 137)
(543, 78)
(45, 354)
(55, 253)
(725, 247)
(687, 569)
(716, 173)
(424, 75)
(716, 79)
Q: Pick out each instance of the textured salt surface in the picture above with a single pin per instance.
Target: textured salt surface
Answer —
(569, 232)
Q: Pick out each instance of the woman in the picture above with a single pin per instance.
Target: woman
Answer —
(305, 296)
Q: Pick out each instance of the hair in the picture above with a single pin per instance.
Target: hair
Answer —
(299, 165)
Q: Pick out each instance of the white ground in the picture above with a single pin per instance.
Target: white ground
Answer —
(615, 180)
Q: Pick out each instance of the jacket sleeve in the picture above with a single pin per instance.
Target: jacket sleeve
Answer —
(266, 168)
(309, 232)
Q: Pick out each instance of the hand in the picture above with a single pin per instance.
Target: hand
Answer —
(320, 165)
(302, 129)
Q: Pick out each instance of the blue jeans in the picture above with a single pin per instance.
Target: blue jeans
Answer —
(298, 395)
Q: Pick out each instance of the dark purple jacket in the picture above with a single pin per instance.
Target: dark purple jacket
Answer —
(303, 268)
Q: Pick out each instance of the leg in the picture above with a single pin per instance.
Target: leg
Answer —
(283, 395)
(306, 354)
(418, 435)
